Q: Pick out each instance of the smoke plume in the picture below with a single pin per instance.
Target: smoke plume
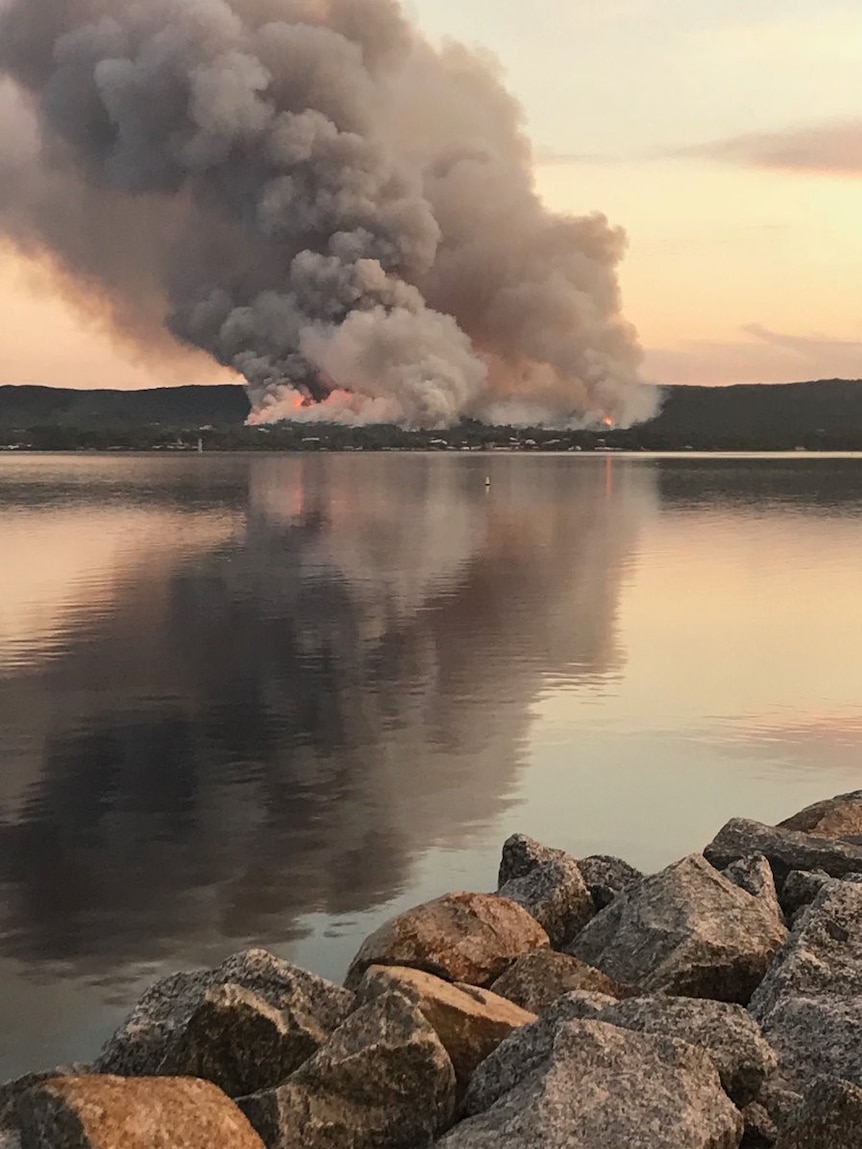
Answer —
(315, 195)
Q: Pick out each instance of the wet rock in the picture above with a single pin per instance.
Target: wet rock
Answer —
(105, 1112)
(240, 1043)
(382, 1081)
(555, 894)
(800, 889)
(522, 854)
(754, 874)
(686, 930)
(760, 1132)
(830, 1118)
(835, 818)
(727, 1033)
(311, 1007)
(460, 937)
(786, 850)
(810, 1003)
(527, 1048)
(606, 877)
(537, 979)
(469, 1021)
(601, 1087)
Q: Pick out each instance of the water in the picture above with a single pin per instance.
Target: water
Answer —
(273, 700)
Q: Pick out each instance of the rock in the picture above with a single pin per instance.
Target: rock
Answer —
(727, 1033)
(761, 1132)
(780, 1103)
(522, 854)
(786, 850)
(312, 1008)
(537, 979)
(470, 1022)
(382, 1081)
(834, 818)
(810, 1003)
(10, 1139)
(240, 1043)
(460, 937)
(555, 894)
(830, 1118)
(754, 874)
(686, 930)
(600, 1087)
(800, 889)
(11, 1091)
(105, 1112)
(527, 1048)
(606, 877)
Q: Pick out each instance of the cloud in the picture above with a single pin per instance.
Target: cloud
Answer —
(830, 148)
(766, 356)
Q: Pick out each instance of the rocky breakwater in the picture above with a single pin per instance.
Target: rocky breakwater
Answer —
(714, 1005)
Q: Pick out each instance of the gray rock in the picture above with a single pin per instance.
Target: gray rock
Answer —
(382, 1081)
(727, 1033)
(782, 1104)
(800, 889)
(555, 894)
(754, 874)
(536, 980)
(835, 818)
(11, 1091)
(311, 1006)
(600, 1087)
(606, 877)
(810, 1003)
(686, 930)
(240, 1043)
(460, 937)
(786, 850)
(830, 1118)
(521, 854)
(528, 1048)
(761, 1132)
(10, 1139)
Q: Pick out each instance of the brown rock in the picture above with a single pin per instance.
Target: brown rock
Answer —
(460, 937)
(131, 1113)
(470, 1022)
(834, 818)
(537, 979)
(830, 1117)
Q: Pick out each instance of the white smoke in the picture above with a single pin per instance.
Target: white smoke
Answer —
(319, 198)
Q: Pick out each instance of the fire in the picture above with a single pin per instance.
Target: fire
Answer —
(607, 421)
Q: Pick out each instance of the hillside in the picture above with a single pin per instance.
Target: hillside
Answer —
(218, 406)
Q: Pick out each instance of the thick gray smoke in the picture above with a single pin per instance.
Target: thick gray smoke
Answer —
(312, 193)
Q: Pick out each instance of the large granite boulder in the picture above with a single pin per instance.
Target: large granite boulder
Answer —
(522, 854)
(800, 889)
(601, 1087)
(810, 1003)
(311, 1008)
(382, 1081)
(460, 937)
(470, 1022)
(726, 1032)
(12, 1091)
(555, 894)
(686, 930)
(786, 850)
(537, 979)
(760, 1130)
(830, 1117)
(606, 877)
(835, 818)
(754, 874)
(105, 1112)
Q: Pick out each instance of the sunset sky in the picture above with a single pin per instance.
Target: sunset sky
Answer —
(726, 137)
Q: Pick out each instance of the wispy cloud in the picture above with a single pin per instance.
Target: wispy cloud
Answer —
(766, 356)
(831, 148)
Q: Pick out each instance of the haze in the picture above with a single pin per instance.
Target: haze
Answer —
(727, 144)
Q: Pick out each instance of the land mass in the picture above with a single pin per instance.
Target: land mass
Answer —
(819, 415)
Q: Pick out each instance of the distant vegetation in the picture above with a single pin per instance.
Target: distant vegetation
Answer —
(824, 415)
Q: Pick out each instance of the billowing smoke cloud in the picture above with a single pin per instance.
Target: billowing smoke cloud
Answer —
(312, 193)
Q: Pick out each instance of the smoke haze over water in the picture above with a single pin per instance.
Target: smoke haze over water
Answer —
(315, 195)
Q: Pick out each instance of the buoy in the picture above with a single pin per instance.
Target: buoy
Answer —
(487, 480)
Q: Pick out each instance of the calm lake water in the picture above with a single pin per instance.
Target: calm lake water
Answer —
(274, 700)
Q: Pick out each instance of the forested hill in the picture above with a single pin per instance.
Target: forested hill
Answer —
(824, 414)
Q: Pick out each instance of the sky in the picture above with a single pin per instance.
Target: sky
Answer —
(725, 136)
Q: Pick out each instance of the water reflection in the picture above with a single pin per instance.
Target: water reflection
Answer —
(282, 682)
